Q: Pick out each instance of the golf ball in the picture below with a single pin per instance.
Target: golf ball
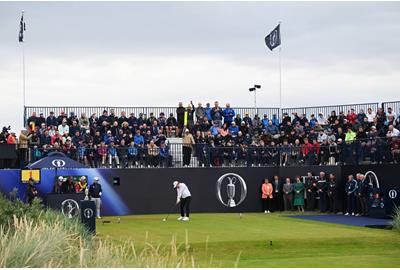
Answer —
(164, 219)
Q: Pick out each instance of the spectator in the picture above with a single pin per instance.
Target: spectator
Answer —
(180, 114)
(63, 128)
(188, 142)
(228, 114)
(216, 114)
(311, 191)
(392, 132)
(51, 120)
(153, 154)
(200, 112)
(133, 156)
(332, 194)
(287, 195)
(171, 125)
(351, 187)
(207, 111)
(267, 195)
(322, 186)
(370, 115)
(277, 194)
(165, 155)
(298, 189)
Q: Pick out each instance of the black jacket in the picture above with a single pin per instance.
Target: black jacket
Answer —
(94, 190)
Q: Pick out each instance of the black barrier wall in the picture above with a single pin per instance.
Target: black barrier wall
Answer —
(147, 191)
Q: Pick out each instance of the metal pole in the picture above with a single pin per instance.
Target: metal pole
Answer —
(255, 102)
(280, 80)
(280, 72)
(23, 78)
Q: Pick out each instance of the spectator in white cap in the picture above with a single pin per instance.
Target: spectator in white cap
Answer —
(95, 193)
(183, 197)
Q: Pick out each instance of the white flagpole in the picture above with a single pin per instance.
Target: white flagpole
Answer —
(280, 72)
(23, 72)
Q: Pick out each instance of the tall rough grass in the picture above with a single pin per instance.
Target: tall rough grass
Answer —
(41, 244)
(31, 236)
(396, 219)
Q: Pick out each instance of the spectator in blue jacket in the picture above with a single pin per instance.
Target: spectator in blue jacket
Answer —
(313, 121)
(108, 137)
(112, 155)
(214, 129)
(271, 129)
(351, 187)
(233, 129)
(133, 156)
(207, 111)
(228, 114)
(138, 139)
(265, 121)
(275, 120)
(165, 155)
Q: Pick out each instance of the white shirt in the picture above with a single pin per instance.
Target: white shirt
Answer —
(371, 117)
(182, 191)
(394, 133)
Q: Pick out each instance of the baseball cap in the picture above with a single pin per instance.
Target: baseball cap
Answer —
(60, 178)
(96, 179)
(175, 183)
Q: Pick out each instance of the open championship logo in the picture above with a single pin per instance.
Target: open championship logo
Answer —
(58, 163)
(88, 213)
(392, 194)
(274, 38)
(70, 208)
(231, 180)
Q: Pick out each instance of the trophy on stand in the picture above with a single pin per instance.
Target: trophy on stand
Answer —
(231, 192)
(86, 194)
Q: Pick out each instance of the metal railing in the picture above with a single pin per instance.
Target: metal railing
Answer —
(326, 110)
(77, 110)
(377, 150)
(395, 105)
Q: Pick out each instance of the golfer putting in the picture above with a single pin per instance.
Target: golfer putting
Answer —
(183, 197)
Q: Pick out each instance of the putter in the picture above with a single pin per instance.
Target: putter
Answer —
(166, 218)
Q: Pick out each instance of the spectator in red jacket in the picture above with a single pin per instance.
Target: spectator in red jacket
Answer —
(351, 117)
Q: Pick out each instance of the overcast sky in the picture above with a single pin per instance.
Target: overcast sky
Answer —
(159, 53)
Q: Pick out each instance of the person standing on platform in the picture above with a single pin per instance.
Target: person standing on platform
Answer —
(332, 194)
(322, 187)
(351, 187)
(188, 142)
(267, 190)
(183, 196)
(277, 195)
(287, 195)
(298, 188)
(362, 193)
(311, 191)
(95, 193)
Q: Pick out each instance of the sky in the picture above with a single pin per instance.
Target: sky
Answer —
(160, 53)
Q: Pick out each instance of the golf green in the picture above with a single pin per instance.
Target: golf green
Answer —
(261, 240)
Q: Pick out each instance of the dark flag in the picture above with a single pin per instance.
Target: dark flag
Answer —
(21, 29)
(273, 40)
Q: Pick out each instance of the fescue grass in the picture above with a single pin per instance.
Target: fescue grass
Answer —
(396, 219)
(31, 236)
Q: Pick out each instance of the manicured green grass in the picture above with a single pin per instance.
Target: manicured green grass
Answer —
(220, 240)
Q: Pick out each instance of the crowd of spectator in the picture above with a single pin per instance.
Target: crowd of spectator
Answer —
(216, 136)
(320, 192)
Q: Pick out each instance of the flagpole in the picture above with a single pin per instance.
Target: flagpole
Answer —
(280, 74)
(23, 70)
(23, 73)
